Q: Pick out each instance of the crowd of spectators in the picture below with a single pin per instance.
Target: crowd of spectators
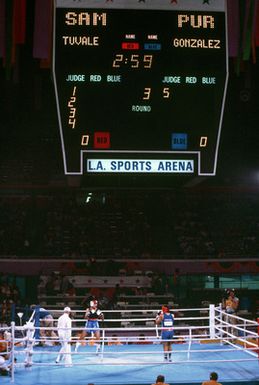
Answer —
(9, 296)
(59, 285)
(23, 161)
(164, 224)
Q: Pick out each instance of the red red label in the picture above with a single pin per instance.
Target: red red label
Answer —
(102, 140)
(130, 45)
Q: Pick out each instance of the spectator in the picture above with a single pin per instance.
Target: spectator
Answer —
(4, 366)
(71, 290)
(230, 304)
(114, 340)
(160, 380)
(49, 288)
(142, 339)
(213, 379)
(64, 283)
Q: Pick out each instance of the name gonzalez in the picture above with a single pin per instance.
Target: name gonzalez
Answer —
(141, 165)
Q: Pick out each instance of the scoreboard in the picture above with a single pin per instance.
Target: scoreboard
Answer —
(140, 85)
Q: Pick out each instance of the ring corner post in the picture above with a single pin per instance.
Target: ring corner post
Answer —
(37, 323)
(212, 321)
(12, 350)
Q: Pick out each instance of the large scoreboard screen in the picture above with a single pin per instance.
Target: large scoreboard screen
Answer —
(140, 84)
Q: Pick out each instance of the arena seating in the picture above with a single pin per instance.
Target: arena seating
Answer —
(117, 225)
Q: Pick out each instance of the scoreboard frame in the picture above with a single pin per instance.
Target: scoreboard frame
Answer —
(94, 150)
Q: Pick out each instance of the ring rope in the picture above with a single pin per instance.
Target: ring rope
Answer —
(223, 332)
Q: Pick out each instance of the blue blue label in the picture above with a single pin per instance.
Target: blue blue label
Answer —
(179, 141)
(152, 46)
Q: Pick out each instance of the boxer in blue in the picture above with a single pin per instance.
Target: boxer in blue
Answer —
(165, 319)
(92, 315)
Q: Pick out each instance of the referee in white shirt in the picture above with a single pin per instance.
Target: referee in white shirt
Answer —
(64, 333)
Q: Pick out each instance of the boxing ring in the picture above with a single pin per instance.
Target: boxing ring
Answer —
(131, 351)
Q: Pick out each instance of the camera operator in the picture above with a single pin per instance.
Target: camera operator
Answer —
(230, 304)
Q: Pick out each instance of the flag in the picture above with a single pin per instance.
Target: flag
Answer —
(42, 43)
(248, 29)
(2, 28)
(233, 27)
(19, 21)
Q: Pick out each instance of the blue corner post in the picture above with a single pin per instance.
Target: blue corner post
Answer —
(26, 312)
(37, 323)
(13, 308)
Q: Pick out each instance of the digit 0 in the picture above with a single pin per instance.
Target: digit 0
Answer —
(203, 141)
(84, 140)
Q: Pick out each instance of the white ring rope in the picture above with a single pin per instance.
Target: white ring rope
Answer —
(236, 335)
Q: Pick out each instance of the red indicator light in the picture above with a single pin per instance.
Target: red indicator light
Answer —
(102, 140)
(130, 45)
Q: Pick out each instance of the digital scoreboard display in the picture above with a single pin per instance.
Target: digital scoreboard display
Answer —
(140, 84)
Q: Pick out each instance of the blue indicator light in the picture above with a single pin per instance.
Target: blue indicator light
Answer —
(179, 141)
(152, 46)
